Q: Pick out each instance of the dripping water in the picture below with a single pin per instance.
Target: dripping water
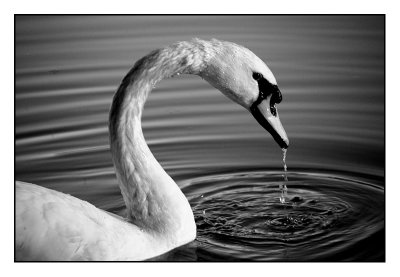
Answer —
(282, 186)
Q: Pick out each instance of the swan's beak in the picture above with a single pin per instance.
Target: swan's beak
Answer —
(271, 122)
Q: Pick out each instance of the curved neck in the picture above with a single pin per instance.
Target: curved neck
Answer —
(154, 202)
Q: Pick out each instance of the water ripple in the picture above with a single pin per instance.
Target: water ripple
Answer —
(328, 217)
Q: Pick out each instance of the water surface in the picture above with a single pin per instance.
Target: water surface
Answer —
(330, 70)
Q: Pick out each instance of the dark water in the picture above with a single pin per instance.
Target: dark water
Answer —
(330, 70)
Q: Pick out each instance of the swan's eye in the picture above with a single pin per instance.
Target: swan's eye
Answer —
(257, 76)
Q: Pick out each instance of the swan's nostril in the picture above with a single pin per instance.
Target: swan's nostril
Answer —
(273, 110)
(276, 98)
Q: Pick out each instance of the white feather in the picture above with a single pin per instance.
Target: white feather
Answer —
(54, 226)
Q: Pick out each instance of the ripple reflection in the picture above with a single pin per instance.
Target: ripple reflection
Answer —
(328, 217)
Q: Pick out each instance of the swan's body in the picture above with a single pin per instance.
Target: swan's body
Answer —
(54, 226)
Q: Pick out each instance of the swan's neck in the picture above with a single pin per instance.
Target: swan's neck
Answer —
(154, 202)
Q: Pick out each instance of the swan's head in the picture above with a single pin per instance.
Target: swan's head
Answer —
(246, 79)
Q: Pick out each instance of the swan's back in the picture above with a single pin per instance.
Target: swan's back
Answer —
(54, 226)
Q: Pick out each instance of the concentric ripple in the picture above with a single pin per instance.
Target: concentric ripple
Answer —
(326, 217)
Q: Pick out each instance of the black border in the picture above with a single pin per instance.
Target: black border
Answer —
(200, 15)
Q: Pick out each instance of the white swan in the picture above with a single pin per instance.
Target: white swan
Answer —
(54, 226)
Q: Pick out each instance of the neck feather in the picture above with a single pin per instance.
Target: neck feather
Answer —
(154, 202)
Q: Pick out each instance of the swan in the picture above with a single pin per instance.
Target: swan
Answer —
(50, 225)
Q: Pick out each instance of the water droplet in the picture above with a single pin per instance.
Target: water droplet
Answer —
(284, 151)
(282, 187)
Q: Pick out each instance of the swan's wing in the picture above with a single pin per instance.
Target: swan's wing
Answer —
(54, 226)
